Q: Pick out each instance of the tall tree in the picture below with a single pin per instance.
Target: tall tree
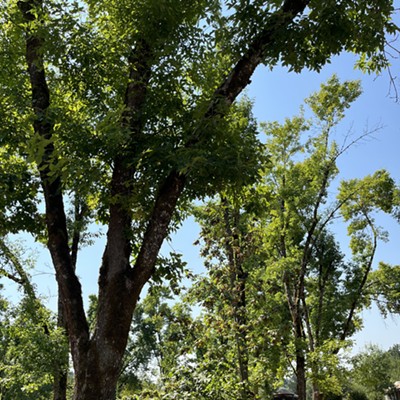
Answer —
(245, 318)
(297, 189)
(134, 99)
(272, 238)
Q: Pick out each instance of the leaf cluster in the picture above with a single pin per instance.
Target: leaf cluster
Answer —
(30, 345)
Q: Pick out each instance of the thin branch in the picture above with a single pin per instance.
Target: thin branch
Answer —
(360, 138)
(363, 282)
(23, 279)
(392, 84)
(12, 277)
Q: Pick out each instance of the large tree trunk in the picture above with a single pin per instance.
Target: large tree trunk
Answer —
(97, 380)
(62, 366)
(97, 359)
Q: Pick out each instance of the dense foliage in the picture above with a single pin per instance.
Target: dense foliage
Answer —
(123, 112)
(375, 371)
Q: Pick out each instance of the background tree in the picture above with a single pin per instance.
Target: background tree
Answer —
(31, 348)
(271, 241)
(375, 371)
(245, 329)
(31, 315)
(300, 210)
(160, 341)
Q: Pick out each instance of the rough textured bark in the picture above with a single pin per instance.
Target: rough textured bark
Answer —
(97, 360)
(69, 286)
(62, 366)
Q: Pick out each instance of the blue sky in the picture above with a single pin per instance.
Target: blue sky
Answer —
(278, 94)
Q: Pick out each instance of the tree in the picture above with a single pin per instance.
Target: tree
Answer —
(301, 246)
(271, 240)
(244, 319)
(33, 315)
(298, 245)
(161, 336)
(32, 347)
(375, 371)
(132, 105)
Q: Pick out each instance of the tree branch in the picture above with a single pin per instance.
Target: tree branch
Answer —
(12, 259)
(355, 303)
(241, 73)
(223, 97)
(55, 215)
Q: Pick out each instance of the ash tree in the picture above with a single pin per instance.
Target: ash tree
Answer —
(127, 108)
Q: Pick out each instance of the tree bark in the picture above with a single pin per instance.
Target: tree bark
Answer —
(301, 374)
(68, 283)
(61, 369)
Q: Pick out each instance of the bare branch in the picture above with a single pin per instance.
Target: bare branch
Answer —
(367, 134)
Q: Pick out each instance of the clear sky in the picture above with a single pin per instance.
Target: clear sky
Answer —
(278, 94)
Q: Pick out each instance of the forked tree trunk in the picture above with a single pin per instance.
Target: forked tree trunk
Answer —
(97, 359)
